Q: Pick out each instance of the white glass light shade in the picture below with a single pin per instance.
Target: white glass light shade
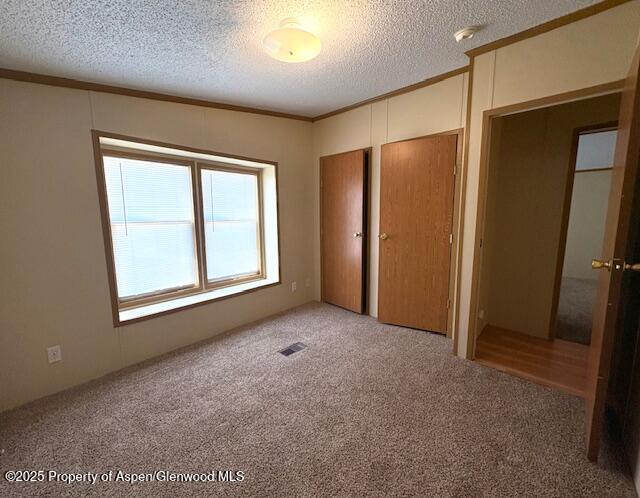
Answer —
(290, 43)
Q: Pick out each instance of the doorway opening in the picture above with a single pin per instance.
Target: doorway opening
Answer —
(587, 197)
(542, 223)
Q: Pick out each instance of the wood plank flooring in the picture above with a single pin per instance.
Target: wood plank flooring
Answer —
(559, 364)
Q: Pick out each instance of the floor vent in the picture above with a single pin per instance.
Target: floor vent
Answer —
(294, 348)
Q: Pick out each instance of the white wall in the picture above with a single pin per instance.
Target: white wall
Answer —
(589, 201)
(589, 52)
(432, 109)
(54, 274)
(587, 218)
(595, 150)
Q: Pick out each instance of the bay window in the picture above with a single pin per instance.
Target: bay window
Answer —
(183, 227)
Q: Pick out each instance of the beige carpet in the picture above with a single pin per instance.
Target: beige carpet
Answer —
(575, 309)
(365, 410)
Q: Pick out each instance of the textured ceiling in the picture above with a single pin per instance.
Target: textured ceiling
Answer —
(212, 49)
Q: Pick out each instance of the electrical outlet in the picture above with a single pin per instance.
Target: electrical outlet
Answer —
(54, 353)
(294, 286)
(307, 282)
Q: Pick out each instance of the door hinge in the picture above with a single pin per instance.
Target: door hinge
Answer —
(448, 303)
(455, 169)
(450, 238)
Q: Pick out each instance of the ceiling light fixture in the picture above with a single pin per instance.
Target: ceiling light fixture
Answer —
(465, 33)
(291, 43)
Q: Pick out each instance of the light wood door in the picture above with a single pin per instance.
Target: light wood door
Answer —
(416, 214)
(620, 229)
(342, 229)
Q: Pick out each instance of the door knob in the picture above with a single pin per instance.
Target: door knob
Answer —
(383, 236)
(357, 234)
(634, 267)
(597, 264)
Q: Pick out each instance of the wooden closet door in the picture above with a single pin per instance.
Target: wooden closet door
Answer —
(342, 229)
(614, 265)
(416, 215)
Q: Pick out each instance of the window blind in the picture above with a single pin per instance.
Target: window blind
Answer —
(231, 223)
(152, 225)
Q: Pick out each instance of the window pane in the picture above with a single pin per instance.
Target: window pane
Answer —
(152, 225)
(230, 205)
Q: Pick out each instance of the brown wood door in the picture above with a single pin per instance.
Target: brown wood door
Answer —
(416, 214)
(342, 229)
(619, 231)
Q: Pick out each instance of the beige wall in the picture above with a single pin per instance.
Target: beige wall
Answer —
(528, 170)
(589, 52)
(55, 288)
(55, 260)
(428, 110)
(569, 58)
(586, 222)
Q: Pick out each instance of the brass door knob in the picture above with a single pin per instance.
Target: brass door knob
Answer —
(383, 236)
(357, 234)
(633, 267)
(597, 264)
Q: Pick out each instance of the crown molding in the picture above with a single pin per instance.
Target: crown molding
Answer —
(547, 26)
(429, 81)
(44, 79)
(130, 92)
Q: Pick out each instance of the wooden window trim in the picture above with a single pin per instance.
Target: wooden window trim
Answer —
(195, 167)
(163, 294)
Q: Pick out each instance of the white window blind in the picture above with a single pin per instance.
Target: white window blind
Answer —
(152, 225)
(231, 223)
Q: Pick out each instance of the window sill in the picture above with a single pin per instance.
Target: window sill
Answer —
(145, 312)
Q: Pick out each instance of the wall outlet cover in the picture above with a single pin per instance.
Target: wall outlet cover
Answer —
(54, 354)
(294, 286)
